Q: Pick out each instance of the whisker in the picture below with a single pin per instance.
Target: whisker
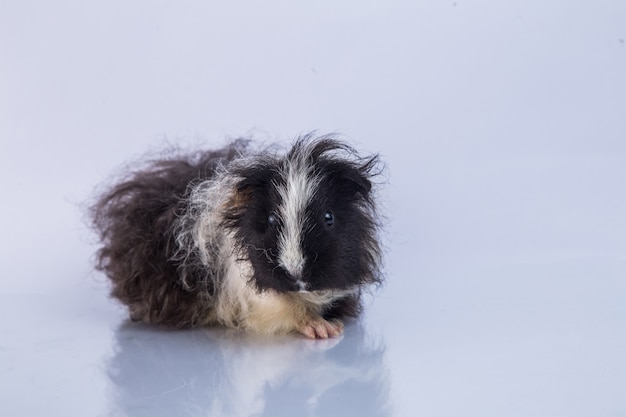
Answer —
(267, 252)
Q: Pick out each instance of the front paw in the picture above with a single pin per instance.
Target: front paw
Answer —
(319, 328)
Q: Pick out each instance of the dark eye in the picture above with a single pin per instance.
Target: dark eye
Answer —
(329, 219)
(272, 219)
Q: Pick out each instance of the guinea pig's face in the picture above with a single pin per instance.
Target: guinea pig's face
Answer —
(306, 225)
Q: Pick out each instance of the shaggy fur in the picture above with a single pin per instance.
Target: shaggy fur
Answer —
(263, 241)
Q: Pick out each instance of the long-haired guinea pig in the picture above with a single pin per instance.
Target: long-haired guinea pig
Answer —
(263, 241)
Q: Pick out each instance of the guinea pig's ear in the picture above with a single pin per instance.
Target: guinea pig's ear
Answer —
(255, 178)
(355, 178)
(249, 191)
(360, 182)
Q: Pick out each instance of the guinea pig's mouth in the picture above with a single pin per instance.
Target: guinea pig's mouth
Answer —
(302, 287)
(297, 283)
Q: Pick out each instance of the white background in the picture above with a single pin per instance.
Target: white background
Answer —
(503, 127)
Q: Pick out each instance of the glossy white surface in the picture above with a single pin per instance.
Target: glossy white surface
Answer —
(504, 130)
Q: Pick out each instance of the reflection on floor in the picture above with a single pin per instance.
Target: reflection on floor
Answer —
(217, 372)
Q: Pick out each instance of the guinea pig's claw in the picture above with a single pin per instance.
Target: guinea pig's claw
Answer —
(321, 329)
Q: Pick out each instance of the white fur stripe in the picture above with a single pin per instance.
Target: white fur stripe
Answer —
(296, 193)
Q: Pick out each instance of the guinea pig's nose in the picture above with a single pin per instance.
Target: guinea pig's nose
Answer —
(300, 285)
(293, 277)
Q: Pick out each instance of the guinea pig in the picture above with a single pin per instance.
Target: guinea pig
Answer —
(264, 241)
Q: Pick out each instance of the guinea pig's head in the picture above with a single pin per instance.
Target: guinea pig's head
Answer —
(307, 221)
